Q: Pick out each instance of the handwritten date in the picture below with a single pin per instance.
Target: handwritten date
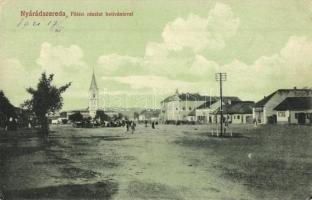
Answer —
(53, 24)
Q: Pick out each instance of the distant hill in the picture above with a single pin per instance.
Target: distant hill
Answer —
(126, 111)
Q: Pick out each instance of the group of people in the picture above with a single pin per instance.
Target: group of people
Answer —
(131, 125)
(153, 124)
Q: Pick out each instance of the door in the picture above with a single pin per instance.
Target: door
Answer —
(301, 118)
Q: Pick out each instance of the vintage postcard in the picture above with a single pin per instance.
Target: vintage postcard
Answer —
(142, 99)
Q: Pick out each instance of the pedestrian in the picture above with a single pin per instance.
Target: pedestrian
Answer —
(255, 122)
(132, 127)
(153, 125)
(127, 125)
(145, 123)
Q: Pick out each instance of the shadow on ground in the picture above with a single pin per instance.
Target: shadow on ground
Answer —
(99, 190)
(107, 138)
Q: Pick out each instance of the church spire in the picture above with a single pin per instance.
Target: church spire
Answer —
(94, 97)
(93, 82)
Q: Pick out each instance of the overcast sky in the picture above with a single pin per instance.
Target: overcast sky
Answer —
(262, 45)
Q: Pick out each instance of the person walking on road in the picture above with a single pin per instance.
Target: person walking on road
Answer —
(127, 125)
(132, 127)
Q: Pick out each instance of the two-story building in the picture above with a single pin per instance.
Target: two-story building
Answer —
(181, 106)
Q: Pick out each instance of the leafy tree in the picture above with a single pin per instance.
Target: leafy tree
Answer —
(100, 114)
(46, 98)
(7, 110)
(76, 117)
(119, 116)
(63, 114)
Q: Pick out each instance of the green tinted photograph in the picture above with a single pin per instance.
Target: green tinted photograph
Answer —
(163, 100)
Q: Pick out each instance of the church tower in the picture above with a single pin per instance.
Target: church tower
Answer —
(94, 97)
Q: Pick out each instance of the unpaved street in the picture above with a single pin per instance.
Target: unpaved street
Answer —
(169, 162)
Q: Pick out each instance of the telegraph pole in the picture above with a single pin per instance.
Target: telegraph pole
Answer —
(221, 77)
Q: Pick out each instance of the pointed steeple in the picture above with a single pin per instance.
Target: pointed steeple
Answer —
(93, 83)
(93, 97)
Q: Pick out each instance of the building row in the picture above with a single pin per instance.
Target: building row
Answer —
(293, 106)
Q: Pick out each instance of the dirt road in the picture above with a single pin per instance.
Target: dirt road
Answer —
(108, 163)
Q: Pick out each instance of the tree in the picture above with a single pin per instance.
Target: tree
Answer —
(7, 110)
(46, 98)
(76, 117)
(100, 114)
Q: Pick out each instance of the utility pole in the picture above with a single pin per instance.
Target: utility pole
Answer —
(221, 77)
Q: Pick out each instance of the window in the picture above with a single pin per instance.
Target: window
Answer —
(183, 108)
(177, 108)
(296, 115)
(282, 114)
(238, 117)
(190, 108)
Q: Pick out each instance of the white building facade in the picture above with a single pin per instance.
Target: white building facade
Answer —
(295, 110)
(181, 107)
(263, 111)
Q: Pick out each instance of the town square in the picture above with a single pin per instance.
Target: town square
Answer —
(136, 99)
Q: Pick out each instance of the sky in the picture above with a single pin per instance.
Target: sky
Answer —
(138, 60)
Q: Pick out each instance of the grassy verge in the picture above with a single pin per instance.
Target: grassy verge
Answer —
(270, 161)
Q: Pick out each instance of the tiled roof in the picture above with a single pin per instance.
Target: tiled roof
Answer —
(194, 97)
(197, 97)
(226, 100)
(263, 101)
(242, 107)
(207, 104)
(295, 103)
